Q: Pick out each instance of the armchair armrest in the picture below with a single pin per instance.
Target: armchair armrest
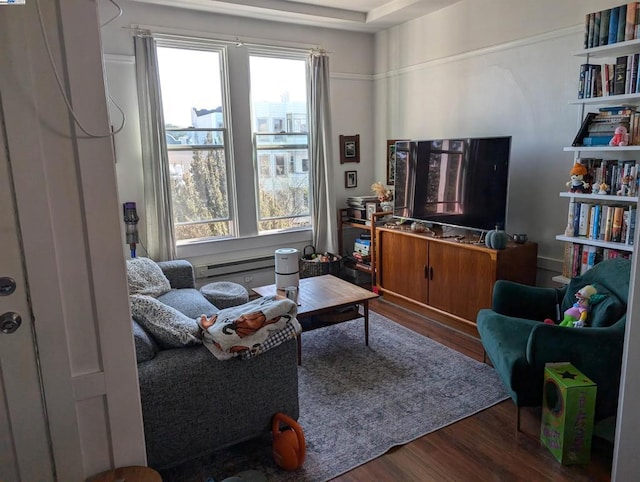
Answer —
(524, 301)
(179, 272)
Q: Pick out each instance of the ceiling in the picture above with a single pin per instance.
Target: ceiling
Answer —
(357, 15)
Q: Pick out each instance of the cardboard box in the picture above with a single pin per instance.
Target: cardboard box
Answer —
(568, 404)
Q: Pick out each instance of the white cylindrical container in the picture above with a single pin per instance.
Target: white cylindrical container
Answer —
(287, 271)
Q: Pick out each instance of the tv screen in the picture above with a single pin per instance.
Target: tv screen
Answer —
(453, 182)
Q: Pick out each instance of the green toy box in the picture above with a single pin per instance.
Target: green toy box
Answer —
(568, 403)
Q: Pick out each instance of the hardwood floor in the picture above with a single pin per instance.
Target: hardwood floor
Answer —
(483, 447)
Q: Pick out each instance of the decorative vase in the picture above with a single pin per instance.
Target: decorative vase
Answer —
(387, 206)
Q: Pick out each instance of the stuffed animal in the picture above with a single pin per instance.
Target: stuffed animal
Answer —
(603, 188)
(620, 137)
(625, 186)
(576, 315)
(577, 183)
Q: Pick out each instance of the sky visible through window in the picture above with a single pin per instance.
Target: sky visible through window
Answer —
(191, 79)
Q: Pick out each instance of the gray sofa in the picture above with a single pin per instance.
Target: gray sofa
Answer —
(192, 403)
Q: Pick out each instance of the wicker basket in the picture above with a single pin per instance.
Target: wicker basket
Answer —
(309, 266)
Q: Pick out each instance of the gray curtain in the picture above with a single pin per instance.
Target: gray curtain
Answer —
(324, 203)
(160, 237)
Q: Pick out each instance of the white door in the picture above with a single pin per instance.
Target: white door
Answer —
(24, 439)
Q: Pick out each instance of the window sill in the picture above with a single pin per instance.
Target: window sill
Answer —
(232, 249)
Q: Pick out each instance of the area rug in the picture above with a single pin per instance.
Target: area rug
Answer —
(357, 402)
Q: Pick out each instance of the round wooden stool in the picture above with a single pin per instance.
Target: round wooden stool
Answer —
(136, 473)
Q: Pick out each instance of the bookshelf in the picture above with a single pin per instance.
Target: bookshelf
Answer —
(594, 241)
(346, 222)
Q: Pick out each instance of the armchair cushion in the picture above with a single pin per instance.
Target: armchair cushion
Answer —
(601, 314)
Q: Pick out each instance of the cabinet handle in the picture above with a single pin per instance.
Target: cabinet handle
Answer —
(431, 274)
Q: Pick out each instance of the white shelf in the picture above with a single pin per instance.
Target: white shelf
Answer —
(561, 279)
(611, 50)
(602, 149)
(608, 99)
(601, 197)
(595, 242)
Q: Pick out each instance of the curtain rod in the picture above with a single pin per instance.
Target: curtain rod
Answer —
(231, 39)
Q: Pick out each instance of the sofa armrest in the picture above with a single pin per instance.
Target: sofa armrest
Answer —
(179, 272)
(524, 301)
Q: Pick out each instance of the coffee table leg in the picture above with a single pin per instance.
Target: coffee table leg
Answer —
(366, 322)
(299, 341)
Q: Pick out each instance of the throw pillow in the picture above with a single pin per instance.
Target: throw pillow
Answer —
(169, 327)
(145, 277)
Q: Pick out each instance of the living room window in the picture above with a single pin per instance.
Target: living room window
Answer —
(235, 122)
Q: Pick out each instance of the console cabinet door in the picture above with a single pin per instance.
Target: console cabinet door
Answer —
(404, 264)
(460, 279)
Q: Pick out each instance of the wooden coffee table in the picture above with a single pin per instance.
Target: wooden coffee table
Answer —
(325, 295)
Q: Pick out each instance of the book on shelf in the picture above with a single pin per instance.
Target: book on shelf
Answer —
(622, 23)
(603, 32)
(585, 217)
(583, 131)
(616, 228)
(613, 25)
(594, 224)
(631, 21)
(631, 229)
(620, 75)
(593, 141)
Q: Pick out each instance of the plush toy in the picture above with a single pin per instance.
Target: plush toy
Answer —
(577, 183)
(603, 188)
(625, 186)
(576, 315)
(620, 137)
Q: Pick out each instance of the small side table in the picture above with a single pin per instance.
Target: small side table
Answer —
(134, 473)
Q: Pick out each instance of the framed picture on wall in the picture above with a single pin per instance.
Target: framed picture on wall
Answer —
(351, 179)
(349, 149)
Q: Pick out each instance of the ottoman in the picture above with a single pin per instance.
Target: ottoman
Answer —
(225, 294)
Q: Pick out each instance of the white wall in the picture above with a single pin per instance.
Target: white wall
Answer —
(500, 67)
(351, 62)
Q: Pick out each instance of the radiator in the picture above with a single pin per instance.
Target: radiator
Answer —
(235, 267)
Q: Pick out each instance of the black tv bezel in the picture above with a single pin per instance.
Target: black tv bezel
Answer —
(431, 221)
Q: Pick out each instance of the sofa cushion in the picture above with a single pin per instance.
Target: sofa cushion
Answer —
(146, 348)
(188, 301)
(145, 277)
(169, 327)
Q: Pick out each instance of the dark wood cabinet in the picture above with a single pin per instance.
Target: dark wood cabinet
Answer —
(447, 280)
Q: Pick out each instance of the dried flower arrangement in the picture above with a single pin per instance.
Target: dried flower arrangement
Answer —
(383, 193)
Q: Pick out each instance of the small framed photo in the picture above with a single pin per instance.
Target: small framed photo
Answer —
(349, 149)
(351, 179)
(370, 209)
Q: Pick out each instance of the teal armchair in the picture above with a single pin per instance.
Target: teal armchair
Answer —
(519, 343)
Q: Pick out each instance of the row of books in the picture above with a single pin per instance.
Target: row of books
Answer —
(610, 223)
(580, 258)
(598, 128)
(613, 25)
(596, 80)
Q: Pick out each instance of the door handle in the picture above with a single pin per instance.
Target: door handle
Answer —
(10, 322)
(7, 286)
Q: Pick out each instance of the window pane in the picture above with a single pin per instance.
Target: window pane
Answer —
(279, 112)
(195, 130)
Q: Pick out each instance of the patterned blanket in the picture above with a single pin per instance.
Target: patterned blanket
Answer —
(250, 329)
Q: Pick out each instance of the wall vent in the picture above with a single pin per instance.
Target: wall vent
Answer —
(235, 267)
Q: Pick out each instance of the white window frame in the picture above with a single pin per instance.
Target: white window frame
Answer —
(239, 156)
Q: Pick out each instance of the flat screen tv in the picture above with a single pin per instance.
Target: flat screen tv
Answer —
(453, 182)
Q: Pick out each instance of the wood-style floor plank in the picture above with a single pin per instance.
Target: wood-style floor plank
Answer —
(482, 447)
